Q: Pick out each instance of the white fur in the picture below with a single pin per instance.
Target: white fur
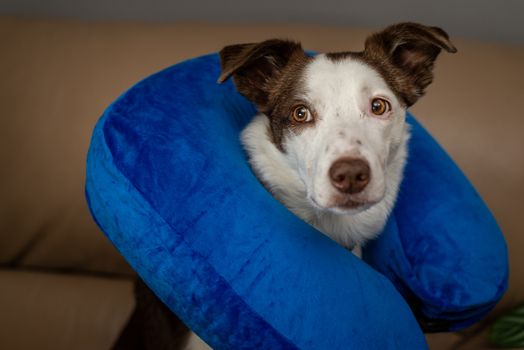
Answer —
(195, 343)
(340, 93)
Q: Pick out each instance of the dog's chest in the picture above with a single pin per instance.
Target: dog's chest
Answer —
(347, 230)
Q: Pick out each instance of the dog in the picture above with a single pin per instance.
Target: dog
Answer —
(329, 141)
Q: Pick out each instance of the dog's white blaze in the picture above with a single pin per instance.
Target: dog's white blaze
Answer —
(340, 93)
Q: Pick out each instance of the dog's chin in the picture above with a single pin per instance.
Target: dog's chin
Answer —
(343, 206)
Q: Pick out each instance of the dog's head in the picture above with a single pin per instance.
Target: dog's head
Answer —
(339, 117)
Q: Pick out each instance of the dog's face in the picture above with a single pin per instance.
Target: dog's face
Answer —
(352, 120)
(338, 118)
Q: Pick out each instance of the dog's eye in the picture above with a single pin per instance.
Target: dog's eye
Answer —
(379, 106)
(301, 114)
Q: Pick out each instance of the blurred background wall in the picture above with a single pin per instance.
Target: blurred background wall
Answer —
(485, 20)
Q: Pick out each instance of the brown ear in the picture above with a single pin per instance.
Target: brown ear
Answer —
(405, 53)
(256, 67)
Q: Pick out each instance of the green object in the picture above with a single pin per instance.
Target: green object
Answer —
(508, 330)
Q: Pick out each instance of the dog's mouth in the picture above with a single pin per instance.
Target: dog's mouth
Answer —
(343, 205)
(348, 204)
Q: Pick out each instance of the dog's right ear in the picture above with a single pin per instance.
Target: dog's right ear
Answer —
(256, 67)
(406, 52)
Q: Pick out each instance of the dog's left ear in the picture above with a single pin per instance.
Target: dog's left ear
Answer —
(405, 53)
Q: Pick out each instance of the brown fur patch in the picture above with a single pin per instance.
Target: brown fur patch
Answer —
(152, 325)
(271, 75)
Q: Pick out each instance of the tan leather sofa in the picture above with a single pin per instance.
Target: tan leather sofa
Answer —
(62, 285)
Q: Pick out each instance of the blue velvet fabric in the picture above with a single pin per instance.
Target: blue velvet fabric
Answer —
(168, 183)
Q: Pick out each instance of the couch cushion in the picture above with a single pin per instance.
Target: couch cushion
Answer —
(61, 311)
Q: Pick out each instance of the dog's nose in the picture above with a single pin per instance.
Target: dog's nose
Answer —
(350, 175)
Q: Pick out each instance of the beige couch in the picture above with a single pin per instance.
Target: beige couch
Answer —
(62, 285)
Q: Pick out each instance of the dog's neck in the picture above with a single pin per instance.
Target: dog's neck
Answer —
(272, 169)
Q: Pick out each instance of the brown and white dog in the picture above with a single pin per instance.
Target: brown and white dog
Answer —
(330, 139)
(329, 142)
